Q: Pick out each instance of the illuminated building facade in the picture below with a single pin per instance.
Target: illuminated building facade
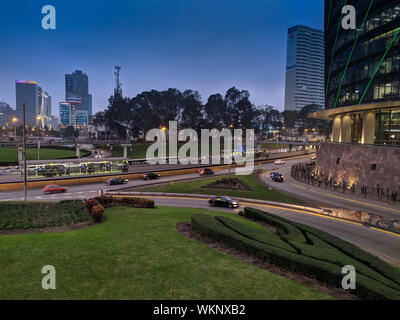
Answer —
(362, 73)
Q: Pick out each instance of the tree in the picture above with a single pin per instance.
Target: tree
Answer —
(192, 110)
(290, 117)
(241, 113)
(216, 112)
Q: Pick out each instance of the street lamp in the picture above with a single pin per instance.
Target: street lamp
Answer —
(14, 120)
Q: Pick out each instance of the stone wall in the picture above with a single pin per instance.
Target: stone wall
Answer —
(360, 164)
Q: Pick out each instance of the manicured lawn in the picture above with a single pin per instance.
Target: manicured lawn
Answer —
(136, 254)
(258, 191)
(11, 154)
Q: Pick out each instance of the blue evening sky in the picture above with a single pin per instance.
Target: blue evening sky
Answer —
(204, 45)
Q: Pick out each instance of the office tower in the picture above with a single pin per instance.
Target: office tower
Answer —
(6, 114)
(77, 88)
(81, 118)
(304, 68)
(65, 113)
(71, 114)
(90, 109)
(44, 107)
(363, 74)
(27, 92)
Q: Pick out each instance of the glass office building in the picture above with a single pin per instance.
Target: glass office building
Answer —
(304, 68)
(362, 72)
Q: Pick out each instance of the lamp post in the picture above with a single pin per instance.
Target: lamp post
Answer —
(14, 120)
(24, 152)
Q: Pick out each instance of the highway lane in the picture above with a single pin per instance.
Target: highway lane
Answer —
(367, 238)
(85, 191)
(322, 197)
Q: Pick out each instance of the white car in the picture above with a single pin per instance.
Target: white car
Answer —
(280, 162)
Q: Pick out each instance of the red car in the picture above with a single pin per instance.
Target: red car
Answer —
(54, 189)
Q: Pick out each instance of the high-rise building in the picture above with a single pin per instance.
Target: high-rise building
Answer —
(65, 113)
(90, 109)
(304, 68)
(6, 114)
(362, 87)
(363, 73)
(44, 107)
(71, 114)
(27, 92)
(77, 88)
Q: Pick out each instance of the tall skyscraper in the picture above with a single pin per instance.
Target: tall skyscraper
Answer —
(44, 107)
(27, 92)
(77, 88)
(304, 68)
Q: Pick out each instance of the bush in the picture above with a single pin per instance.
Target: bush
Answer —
(97, 213)
(345, 247)
(90, 203)
(27, 215)
(110, 201)
(249, 241)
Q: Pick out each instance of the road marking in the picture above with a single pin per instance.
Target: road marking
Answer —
(274, 207)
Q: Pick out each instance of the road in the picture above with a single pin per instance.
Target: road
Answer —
(326, 198)
(370, 239)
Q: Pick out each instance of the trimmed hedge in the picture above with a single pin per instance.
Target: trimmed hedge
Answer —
(347, 248)
(321, 270)
(111, 201)
(31, 215)
(284, 229)
(264, 237)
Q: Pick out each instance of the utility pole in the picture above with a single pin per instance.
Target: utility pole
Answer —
(24, 152)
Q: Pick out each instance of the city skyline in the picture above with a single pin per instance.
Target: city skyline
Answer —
(210, 52)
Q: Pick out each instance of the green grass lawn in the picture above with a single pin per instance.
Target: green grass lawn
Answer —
(136, 254)
(11, 154)
(258, 191)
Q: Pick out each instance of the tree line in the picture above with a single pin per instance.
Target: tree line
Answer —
(133, 117)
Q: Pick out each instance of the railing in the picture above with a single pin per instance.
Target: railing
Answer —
(306, 174)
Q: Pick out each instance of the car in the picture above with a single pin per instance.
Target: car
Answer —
(54, 189)
(223, 202)
(206, 172)
(280, 162)
(150, 176)
(310, 163)
(277, 177)
(116, 181)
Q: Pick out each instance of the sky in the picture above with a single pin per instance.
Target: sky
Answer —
(204, 45)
